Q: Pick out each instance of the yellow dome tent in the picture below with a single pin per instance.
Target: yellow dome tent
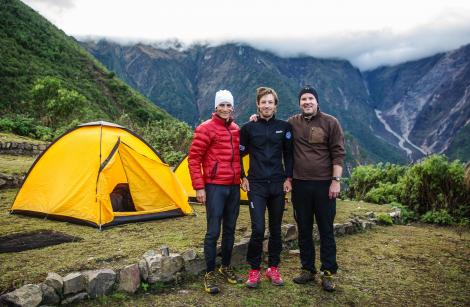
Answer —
(182, 172)
(78, 177)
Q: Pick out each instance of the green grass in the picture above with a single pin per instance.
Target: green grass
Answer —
(117, 246)
(10, 164)
(417, 265)
(10, 137)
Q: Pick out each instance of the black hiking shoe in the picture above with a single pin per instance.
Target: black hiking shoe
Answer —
(229, 275)
(304, 277)
(327, 281)
(210, 284)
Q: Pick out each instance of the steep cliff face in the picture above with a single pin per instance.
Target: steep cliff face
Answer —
(391, 112)
(426, 101)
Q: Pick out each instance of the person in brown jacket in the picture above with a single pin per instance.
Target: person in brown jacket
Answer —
(318, 164)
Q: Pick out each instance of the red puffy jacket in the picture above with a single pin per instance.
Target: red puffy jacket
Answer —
(216, 147)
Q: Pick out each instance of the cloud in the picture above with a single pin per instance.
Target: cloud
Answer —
(370, 49)
(51, 4)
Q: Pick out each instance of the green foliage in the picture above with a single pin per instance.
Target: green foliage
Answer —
(384, 219)
(434, 184)
(407, 214)
(366, 177)
(430, 185)
(54, 104)
(145, 286)
(441, 217)
(170, 138)
(384, 193)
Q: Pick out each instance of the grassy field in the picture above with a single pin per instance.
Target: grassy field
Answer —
(114, 247)
(10, 164)
(10, 137)
(416, 265)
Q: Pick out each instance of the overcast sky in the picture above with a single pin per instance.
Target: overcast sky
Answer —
(369, 33)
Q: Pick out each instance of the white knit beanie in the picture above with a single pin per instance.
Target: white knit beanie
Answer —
(223, 96)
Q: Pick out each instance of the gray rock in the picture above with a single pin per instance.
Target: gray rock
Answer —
(289, 232)
(349, 228)
(165, 250)
(74, 283)
(100, 282)
(144, 269)
(75, 298)
(339, 229)
(294, 252)
(129, 279)
(239, 253)
(149, 253)
(370, 215)
(42, 147)
(163, 268)
(49, 295)
(396, 215)
(266, 246)
(195, 266)
(55, 281)
(189, 255)
(29, 296)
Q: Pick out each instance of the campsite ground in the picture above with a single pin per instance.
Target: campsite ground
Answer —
(397, 265)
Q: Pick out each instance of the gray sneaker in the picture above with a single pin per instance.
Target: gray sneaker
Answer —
(304, 277)
(327, 281)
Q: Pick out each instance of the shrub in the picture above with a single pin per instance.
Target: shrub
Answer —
(441, 217)
(384, 219)
(406, 213)
(434, 184)
(383, 194)
(366, 177)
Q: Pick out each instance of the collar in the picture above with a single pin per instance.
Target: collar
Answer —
(266, 120)
(220, 121)
(314, 116)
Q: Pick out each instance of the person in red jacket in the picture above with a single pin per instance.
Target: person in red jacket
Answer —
(215, 149)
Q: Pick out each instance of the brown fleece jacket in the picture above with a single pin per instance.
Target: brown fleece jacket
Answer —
(318, 145)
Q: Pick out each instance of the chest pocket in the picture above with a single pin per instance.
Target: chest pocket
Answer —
(316, 135)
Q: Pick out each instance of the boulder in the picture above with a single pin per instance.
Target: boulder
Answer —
(339, 229)
(55, 281)
(289, 232)
(29, 295)
(165, 250)
(75, 298)
(189, 255)
(129, 278)
(239, 253)
(349, 228)
(195, 266)
(144, 269)
(163, 268)
(49, 295)
(100, 282)
(74, 283)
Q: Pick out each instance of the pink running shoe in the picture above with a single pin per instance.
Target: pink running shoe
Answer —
(254, 278)
(273, 274)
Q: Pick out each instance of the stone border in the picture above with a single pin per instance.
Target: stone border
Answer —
(10, 181)
(21, 148)
(154, 266)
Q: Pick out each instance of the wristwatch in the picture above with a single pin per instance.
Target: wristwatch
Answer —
(336, 178)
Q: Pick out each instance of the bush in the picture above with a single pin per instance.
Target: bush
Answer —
(441, 217)
(384, 219)
(366, 177)
(407, 214)
(434, 184)
(383, 194)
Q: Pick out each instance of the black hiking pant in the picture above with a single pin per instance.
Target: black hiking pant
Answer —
(264, 195)
(222, 207)
(310, 200)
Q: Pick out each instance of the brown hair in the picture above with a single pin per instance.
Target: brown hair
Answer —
(262, 91)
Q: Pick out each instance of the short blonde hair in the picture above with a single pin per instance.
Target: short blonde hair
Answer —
(262, 91)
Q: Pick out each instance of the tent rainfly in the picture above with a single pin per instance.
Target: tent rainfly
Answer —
(182, 172)
(101, 174)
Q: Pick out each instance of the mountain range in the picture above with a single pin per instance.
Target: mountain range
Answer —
(396, 113)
